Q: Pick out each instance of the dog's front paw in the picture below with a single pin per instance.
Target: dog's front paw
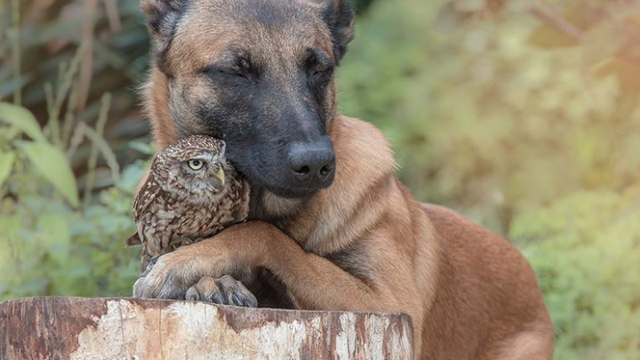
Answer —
(224, 290)
(169, 278)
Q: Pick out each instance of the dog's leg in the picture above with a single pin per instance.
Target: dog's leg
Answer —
(314, 281)
(532, 345)
(253, 245)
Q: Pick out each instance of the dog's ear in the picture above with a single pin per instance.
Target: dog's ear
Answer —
(340, 16)
(162, 18)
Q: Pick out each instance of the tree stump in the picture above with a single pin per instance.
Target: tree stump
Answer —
(126, 328)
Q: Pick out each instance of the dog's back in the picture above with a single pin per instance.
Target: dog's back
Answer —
(487, 299)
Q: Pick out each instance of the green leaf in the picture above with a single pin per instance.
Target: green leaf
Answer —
(449, 19)
(142, 147)
(55, 232)
(6, 164)
(22, 119)
(53, 165)
(105, 149)
(10, 225)
(469, 5)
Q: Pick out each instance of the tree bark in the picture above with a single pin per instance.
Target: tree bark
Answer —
(126, 328)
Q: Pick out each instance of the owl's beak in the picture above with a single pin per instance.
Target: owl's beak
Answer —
(220, 175)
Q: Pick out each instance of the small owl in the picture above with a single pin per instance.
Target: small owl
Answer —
(191, 193)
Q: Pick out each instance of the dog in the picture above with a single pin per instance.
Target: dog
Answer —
(329, 221)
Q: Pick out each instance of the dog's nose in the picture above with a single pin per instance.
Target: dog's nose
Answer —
(312, 163)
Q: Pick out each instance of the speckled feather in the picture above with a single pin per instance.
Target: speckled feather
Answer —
(177, 205)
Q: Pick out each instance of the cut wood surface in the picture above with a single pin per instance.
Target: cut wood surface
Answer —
(127, 328)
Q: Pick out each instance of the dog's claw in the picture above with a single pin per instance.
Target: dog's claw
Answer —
(216, 298)
(224, 291)
(236, 300)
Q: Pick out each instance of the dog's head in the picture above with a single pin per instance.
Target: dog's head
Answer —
(259, 74)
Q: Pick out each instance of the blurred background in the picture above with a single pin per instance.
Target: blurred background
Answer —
(523, 116)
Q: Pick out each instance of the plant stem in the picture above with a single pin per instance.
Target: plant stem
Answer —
(86, 66)
(93, 156)
(557, 22)
(69, 118)
(15, 19)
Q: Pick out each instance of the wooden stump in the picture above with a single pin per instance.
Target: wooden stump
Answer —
(127, 328)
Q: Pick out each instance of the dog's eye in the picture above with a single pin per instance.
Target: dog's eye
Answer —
(318, 64)
(215, 71)
(236, 73)
(321, 71)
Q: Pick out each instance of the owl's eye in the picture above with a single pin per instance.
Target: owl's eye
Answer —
(196, 164)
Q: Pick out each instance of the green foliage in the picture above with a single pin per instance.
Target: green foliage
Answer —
(53, 166)
(481, 119)
(58, 58)
(61, 58)
(51, 245)
(495, 111)
(22, 120)
(47, 159)
(50, 248)
(586, 251)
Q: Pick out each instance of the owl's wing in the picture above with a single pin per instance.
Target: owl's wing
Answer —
(241, 210)
(148, 192)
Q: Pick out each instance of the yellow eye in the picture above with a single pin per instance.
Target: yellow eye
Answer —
(196, 164)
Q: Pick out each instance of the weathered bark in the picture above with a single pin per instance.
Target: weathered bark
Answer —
(125, 328)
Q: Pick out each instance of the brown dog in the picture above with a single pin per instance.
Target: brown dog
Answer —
(330, 221)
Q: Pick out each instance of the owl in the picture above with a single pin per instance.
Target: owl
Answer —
(191, 193)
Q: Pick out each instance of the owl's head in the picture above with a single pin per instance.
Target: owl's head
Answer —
(194, 168)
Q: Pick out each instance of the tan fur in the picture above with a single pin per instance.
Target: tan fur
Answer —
(164, 131)
(364, 244)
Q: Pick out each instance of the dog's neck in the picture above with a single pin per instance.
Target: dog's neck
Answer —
(267, 206)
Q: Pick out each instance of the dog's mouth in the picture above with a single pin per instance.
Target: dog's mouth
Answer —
(293, 192)
(277, 182)
(281, 187)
